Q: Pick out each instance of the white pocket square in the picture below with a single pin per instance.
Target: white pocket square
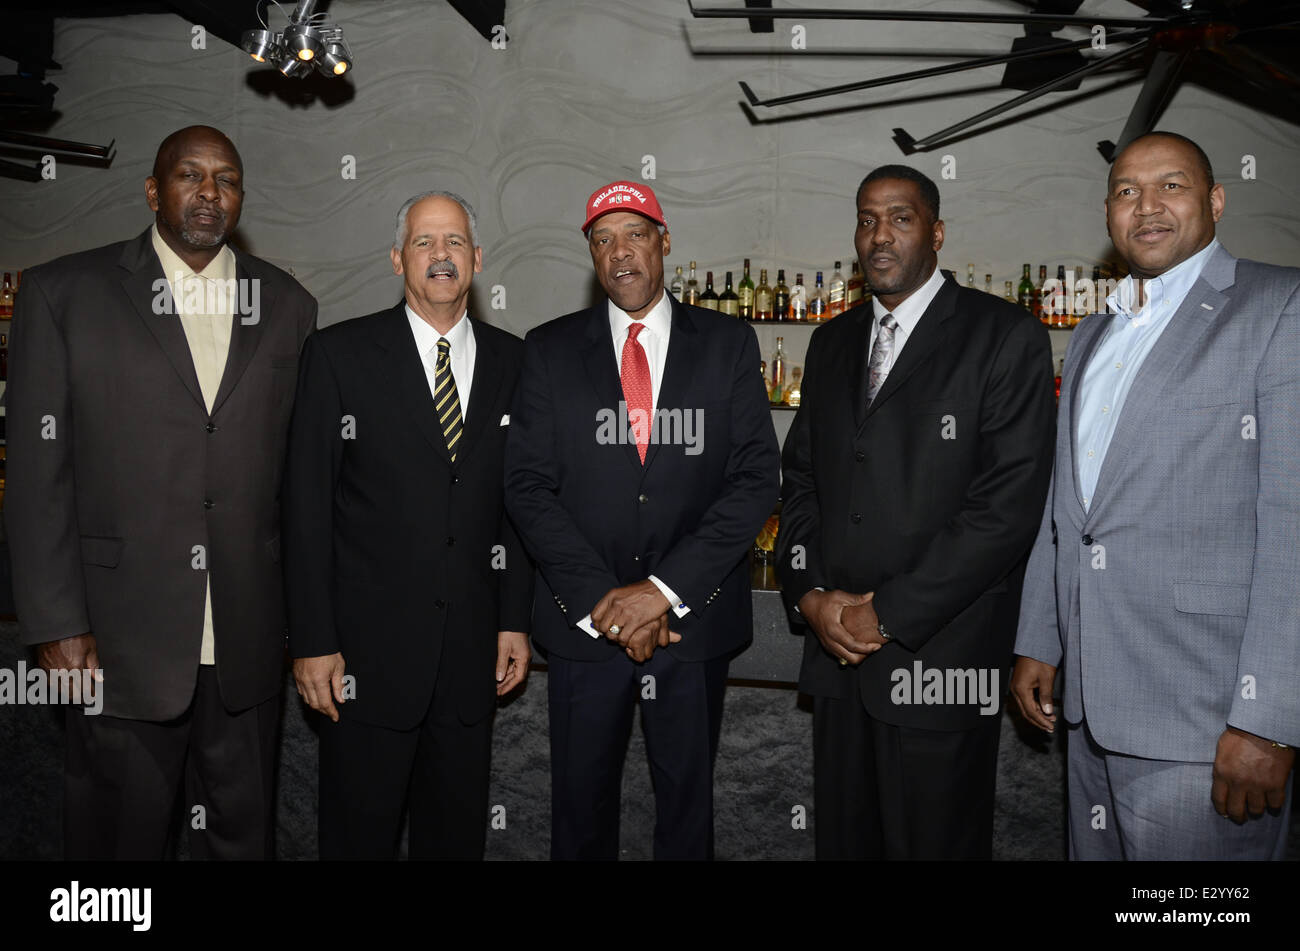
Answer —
(505, 420)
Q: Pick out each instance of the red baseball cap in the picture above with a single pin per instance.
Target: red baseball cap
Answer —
(624, 196)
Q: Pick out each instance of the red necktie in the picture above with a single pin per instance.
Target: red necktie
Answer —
(637, 392)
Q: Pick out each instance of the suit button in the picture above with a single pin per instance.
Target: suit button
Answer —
(208, 503)
(210, 428)
(451, 540)
(439, 603)
(859, 456)
(643, 498)
(855, 518)
(1087, 539)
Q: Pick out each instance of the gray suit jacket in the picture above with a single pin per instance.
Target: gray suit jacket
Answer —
(117, 473)
(1173, 603)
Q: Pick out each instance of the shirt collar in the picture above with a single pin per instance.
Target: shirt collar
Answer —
(908, 313)
(1172, 285)
(220, 268)
(426, 338)
(657, 322)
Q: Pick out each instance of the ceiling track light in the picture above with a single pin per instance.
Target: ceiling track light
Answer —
(308, 40)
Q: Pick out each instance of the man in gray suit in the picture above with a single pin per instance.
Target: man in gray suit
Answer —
(150, 388)
(1164, 579)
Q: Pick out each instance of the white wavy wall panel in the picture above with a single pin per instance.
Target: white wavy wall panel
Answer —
(583, 91)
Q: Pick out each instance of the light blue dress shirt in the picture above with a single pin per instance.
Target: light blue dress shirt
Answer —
(1118, 357)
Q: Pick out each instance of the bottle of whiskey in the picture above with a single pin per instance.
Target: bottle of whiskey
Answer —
(678, 284)
(745, 295)
(1009, 295)
(1025, 292)
(988, 283)
(780, 297)
(853, 289)
(7, 297)
(1039, 303)
(776, 392)
(692, 287)
(798, 299)
(762, 297)
(817, 303)
(728, 302)
(835, 298)
(1063, 299)
(709, 298)
(793, 395)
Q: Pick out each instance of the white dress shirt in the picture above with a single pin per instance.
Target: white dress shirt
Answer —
(463, 350)
(908, 314)
(657, 326)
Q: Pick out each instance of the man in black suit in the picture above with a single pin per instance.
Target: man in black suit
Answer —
(641, 463)
(150, 389)
(409, 593)
(914, 475)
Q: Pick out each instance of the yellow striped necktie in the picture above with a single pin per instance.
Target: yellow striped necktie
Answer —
(445, 399)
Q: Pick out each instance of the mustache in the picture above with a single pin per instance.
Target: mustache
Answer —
(443, 267)
(213, 210)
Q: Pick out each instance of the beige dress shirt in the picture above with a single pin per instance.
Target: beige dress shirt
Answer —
(208, 334)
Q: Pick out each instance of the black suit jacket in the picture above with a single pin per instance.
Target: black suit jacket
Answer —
(395, 556)
(116, 472)
(931, 500)
(594, 518)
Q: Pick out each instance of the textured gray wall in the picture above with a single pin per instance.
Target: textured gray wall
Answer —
(583, 91)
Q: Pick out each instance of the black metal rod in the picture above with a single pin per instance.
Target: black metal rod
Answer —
(1155, 93)
(931, 16)
(1093, 67)
(927, 73)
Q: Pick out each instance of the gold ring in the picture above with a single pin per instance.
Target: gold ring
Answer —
(843, 662)
(615, 629)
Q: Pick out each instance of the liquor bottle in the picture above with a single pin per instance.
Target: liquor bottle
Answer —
(988, 283)
(1025, 292)
(794, 394)
(835, 296)
(780, 297)
(745, 295)
(762, 297)
(1039, 303)
(762, 372)
(728, 302)
(853, 289)
(1063, 299)
(692, 291)
(1009, 295)
(678, 284)
(798, 299)
(709, 298)
(776, 393)
(7, 297)
(817, 304)
(970, 276)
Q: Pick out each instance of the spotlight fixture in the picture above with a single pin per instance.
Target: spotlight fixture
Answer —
(308, 39)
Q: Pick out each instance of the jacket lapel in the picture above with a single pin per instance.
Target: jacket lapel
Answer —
(245, 331)
(144, 271)
(405, 373)
(483, 389)
(602, 372)
(679, 370)
(1181, 337)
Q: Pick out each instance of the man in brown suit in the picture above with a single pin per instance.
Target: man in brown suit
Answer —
(150, 388)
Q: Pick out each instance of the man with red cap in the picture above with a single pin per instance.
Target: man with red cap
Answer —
(640, 464)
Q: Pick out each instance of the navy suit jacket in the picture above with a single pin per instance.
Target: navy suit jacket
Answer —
(594, 518)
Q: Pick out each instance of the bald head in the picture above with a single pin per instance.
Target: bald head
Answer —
(188, 139)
